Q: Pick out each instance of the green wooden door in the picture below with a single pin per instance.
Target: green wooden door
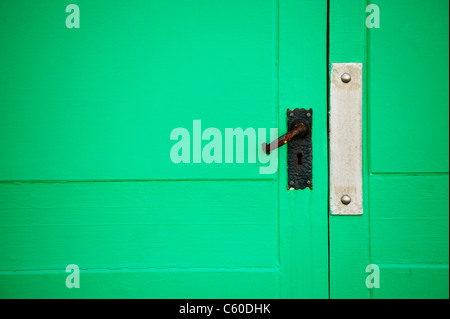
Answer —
(405, 226)
(86, 116)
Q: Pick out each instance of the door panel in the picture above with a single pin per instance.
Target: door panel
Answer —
(409, 168)
(144, 224)
(99, 102)
(404, 227)
(86, 176)
(402, 101)
(147, 283)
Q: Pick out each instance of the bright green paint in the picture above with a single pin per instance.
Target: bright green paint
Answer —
(86, 176)
(102, 100)
(413, 41)
(404, 229)
(349, 245)
(146, 283)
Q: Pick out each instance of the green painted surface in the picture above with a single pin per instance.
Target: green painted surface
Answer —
(102, 100)
(148, 283)
(85, 171)
(409, 224)
(412, 41)
(404, 229)
(86, 176)
(349, 235)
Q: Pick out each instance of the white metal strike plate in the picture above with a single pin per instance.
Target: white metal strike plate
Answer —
(346, 139)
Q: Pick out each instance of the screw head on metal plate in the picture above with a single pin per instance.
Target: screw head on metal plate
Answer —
(346, 199)
(346, 77)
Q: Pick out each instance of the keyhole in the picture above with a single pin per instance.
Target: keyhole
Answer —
(300, 159)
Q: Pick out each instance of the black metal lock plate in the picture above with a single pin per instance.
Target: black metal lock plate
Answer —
(299, 159)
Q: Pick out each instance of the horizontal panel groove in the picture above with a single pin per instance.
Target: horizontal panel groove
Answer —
(150, 269)
(265, 179)
(415, 265)
(411, 173)
(408, 218)
(219, 223)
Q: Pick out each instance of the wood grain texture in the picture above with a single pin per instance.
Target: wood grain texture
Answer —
(138, 225)
(100, 102)
(410, 42)
(137, 203)
(349, 235)
(409, 218)
(413, 281)
(303, 214)
(85, 169)
(144, 283)
(405, 230)
(409, 223)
